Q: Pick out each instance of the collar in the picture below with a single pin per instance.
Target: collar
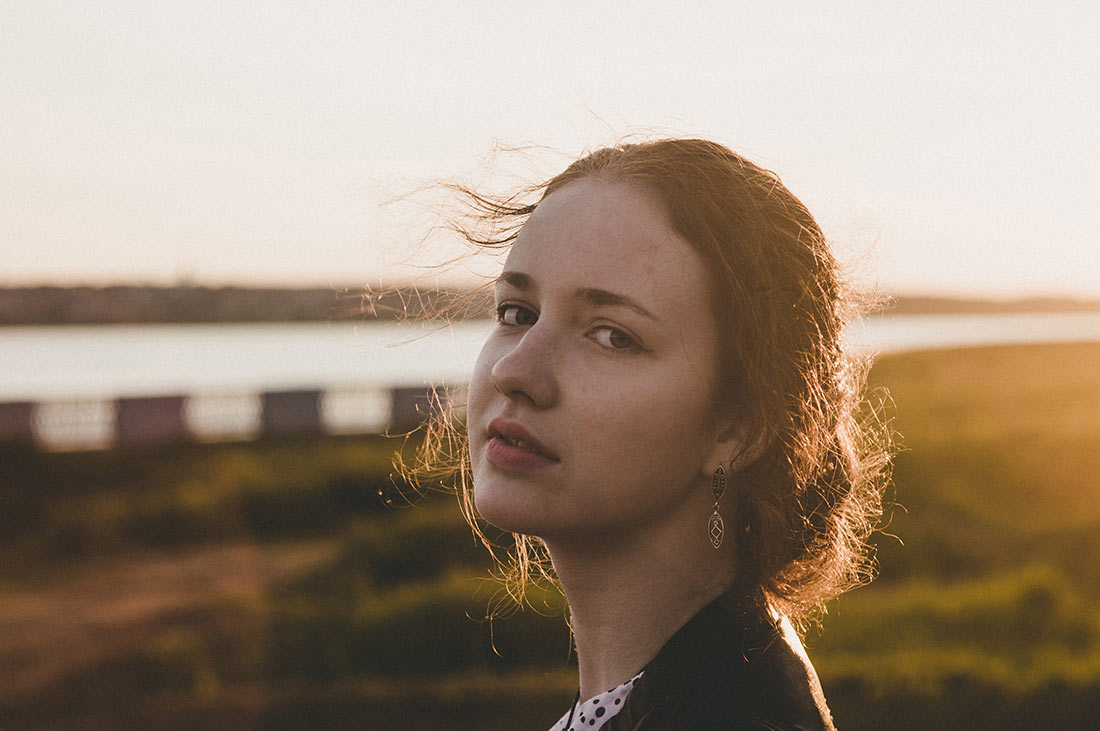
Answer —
(595, 712)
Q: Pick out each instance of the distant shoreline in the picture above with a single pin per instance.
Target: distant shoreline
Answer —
(928, 305)
(141, 304)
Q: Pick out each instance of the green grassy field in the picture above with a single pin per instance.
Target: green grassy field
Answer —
(271, 586)
(984, 613)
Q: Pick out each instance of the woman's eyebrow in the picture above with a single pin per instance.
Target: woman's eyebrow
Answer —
(592, 295)
(601, 297)
(519, 280)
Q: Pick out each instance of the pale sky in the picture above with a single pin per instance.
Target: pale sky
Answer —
(945, 147)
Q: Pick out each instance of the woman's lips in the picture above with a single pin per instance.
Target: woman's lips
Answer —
(512, 458)
(511, 447)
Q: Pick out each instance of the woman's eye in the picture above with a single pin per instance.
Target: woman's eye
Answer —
(515, 315)
(614, 338)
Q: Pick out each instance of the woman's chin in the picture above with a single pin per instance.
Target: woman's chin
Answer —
(501, 516)
(507, 511)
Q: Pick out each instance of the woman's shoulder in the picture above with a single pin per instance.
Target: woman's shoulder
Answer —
(728, 668)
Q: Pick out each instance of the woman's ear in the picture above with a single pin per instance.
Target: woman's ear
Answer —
(736, 445)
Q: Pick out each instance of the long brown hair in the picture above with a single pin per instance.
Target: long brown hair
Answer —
(810, 482)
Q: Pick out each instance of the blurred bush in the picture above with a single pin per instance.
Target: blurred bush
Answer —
(983, 616)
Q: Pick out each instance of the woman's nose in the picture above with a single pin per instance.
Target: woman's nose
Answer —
(526, 371)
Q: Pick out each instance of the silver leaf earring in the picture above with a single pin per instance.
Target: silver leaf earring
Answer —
(715, 526)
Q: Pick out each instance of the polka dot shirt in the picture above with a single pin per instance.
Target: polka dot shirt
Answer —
(596, 711)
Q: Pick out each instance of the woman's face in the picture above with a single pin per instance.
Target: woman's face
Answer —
(591, 407)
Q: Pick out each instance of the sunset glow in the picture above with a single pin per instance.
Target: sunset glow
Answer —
(946, 148)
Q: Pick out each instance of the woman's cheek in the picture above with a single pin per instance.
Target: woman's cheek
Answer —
(634, 439)
(480, 388)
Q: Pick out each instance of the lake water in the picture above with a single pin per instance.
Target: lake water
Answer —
(102, 362)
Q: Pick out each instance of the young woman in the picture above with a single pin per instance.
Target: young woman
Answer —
(665, 411)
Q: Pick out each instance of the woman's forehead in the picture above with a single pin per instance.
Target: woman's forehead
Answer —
(607, 235)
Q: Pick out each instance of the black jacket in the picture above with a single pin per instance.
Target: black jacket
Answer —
(726, 669)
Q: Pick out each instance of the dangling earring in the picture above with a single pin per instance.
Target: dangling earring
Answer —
(715, 527)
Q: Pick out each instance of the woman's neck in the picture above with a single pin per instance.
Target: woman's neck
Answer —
(628, 596)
